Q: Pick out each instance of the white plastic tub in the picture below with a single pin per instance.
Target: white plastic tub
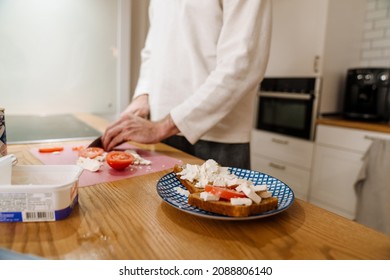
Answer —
(39, 193)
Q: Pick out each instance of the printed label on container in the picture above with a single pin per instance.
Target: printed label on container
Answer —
(38, 216)
(27, 206)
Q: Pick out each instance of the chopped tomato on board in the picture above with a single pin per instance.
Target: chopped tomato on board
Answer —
(50, 149)
(91, 152)
(77, 148)
(224, 192)
(119, 160)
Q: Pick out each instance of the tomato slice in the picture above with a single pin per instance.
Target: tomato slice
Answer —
(51, 149)
(119, 160)
(224, 192)
(91, 152)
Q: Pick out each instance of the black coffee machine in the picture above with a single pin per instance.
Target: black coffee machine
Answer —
(367, 94)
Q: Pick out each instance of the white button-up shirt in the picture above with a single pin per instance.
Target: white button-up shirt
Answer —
(203, 62)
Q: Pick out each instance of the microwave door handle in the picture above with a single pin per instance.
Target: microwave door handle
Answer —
(282, 95)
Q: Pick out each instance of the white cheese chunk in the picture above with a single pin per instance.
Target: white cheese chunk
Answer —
(211, 173)
(101, 158)
(208, 173)
(138, 160)
(265, 194)
(260, 188)
(182, 191)
(249, 192)
(241, 201)
(208, 196)
(190, 173)
(90, 164)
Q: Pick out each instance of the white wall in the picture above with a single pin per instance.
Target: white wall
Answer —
(139, 29)
(59, 56)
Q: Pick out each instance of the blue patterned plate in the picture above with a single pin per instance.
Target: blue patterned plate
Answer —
(166, 188)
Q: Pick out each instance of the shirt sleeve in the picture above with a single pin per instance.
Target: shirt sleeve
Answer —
(242, 56)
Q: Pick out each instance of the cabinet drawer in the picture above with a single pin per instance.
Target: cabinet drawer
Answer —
(287, 149)
(297, 179)
(347, 138)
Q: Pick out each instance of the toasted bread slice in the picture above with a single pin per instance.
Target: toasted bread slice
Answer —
(187, 184)
(221, 206)
(226, 208)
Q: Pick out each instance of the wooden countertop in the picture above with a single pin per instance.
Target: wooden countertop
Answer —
(128, 220)
(338, 121)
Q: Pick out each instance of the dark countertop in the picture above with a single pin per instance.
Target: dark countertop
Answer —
(36, 128)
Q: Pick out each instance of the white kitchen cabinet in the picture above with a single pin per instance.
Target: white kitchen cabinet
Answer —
(297, 34)
(334, 175)
(317, 38)
(286, 158)
(338, 155)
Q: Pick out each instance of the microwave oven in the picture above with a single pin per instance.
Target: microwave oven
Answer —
(288, 106)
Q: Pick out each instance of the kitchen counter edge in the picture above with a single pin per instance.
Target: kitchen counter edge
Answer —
(337, 121)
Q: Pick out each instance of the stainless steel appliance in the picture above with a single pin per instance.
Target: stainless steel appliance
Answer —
(367, 94)
(289, 106)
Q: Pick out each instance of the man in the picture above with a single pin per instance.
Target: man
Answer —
(202, 64)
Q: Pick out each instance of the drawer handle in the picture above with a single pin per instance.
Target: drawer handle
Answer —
(279, 141)
(277, 166)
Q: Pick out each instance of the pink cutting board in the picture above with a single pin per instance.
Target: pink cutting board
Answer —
(106, 173)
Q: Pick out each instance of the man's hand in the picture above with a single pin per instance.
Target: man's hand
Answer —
(138, 107)
(137, 129)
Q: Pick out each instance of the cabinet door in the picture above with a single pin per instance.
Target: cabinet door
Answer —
(298, 34)
(296, 178)
(334, 174)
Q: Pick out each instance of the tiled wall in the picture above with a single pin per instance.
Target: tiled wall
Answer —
(376, 36)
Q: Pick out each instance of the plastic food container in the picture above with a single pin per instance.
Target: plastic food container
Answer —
(37, 193)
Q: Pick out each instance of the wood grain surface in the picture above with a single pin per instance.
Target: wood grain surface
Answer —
(369, 126)
(128, 220)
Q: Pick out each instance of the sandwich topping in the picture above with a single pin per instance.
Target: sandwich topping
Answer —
(219, 184)
(93, 158)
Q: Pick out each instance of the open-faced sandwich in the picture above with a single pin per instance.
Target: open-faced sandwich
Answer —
(213, 188)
